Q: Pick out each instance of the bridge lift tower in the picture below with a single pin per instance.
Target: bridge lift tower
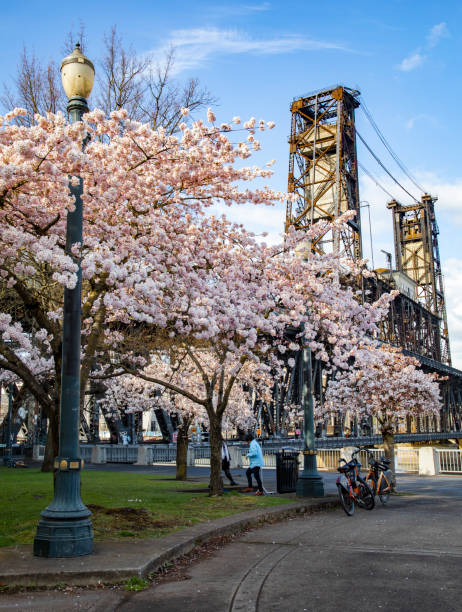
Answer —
(323, 170)
(323, 174)
(417, 255)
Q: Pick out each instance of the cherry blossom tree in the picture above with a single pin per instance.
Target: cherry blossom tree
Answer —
(127, 394)
(138, 393)
(385, 384)
(203, 390)
(145, 194)
(155, 265)
(229, 323)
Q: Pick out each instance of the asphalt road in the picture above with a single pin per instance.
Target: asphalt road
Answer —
(411, 483)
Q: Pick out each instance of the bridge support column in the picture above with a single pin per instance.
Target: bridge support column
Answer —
(142, 456)
(235, 457)
(428, 461)
(98, 454)
(38, 452)
(191, 456)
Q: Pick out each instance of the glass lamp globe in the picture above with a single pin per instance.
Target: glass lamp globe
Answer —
(77, 74)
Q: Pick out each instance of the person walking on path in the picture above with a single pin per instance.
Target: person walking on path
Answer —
(256, 462)
(225, 463)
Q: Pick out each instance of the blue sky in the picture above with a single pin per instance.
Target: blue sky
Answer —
(255, 57)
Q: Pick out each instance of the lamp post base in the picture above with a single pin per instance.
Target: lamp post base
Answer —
(310, 486)
(63, 538)
(65, 528)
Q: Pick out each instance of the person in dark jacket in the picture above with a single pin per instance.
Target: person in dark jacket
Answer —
(225, 463)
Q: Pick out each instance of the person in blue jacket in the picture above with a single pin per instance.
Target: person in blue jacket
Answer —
(256, 462)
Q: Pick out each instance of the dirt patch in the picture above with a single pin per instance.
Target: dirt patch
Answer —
(135, 519)
(176, 480)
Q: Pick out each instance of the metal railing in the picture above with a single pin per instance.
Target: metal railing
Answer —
(201, 455)
(162, 453)
(328, 458)
(121, 454)
(450, 460)
(269, 458)
(85, 452)
(407, 459)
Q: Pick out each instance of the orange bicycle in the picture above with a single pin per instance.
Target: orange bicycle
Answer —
(352, 488)
(380, 477)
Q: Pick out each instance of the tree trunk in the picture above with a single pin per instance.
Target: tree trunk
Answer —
(389, 450)
(52, 444)
(182, 442)
(216, 481)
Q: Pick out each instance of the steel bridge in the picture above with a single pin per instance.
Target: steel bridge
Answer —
(323, 174)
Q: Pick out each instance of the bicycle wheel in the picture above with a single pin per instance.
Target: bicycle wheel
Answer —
(372, 484)
(384, 493)
(365, 497)
(347, 502)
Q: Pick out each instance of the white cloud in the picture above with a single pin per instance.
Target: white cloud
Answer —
(437, 32)
(198, 45)
(264, 6)
(240, 9)
(449, 194)
(414, 60)
(256, 218)
(409, 124)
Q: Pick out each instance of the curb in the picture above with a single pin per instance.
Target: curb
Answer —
(113, 562)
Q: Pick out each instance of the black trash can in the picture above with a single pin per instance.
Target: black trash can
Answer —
(286, 470)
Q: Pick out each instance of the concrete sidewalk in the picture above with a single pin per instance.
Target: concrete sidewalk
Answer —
(402, 557)
(115, 561)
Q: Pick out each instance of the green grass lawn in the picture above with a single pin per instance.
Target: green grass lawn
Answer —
(124, 505)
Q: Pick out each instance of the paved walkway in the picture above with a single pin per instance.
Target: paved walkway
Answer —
(402, 557)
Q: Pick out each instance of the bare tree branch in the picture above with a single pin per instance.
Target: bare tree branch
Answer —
(121, 83)
(37, 88)
(73, 38)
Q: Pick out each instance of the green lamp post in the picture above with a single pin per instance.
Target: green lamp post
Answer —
(310, 483)
(65, 529)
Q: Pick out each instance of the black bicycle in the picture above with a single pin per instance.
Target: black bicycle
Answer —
(352, 488)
